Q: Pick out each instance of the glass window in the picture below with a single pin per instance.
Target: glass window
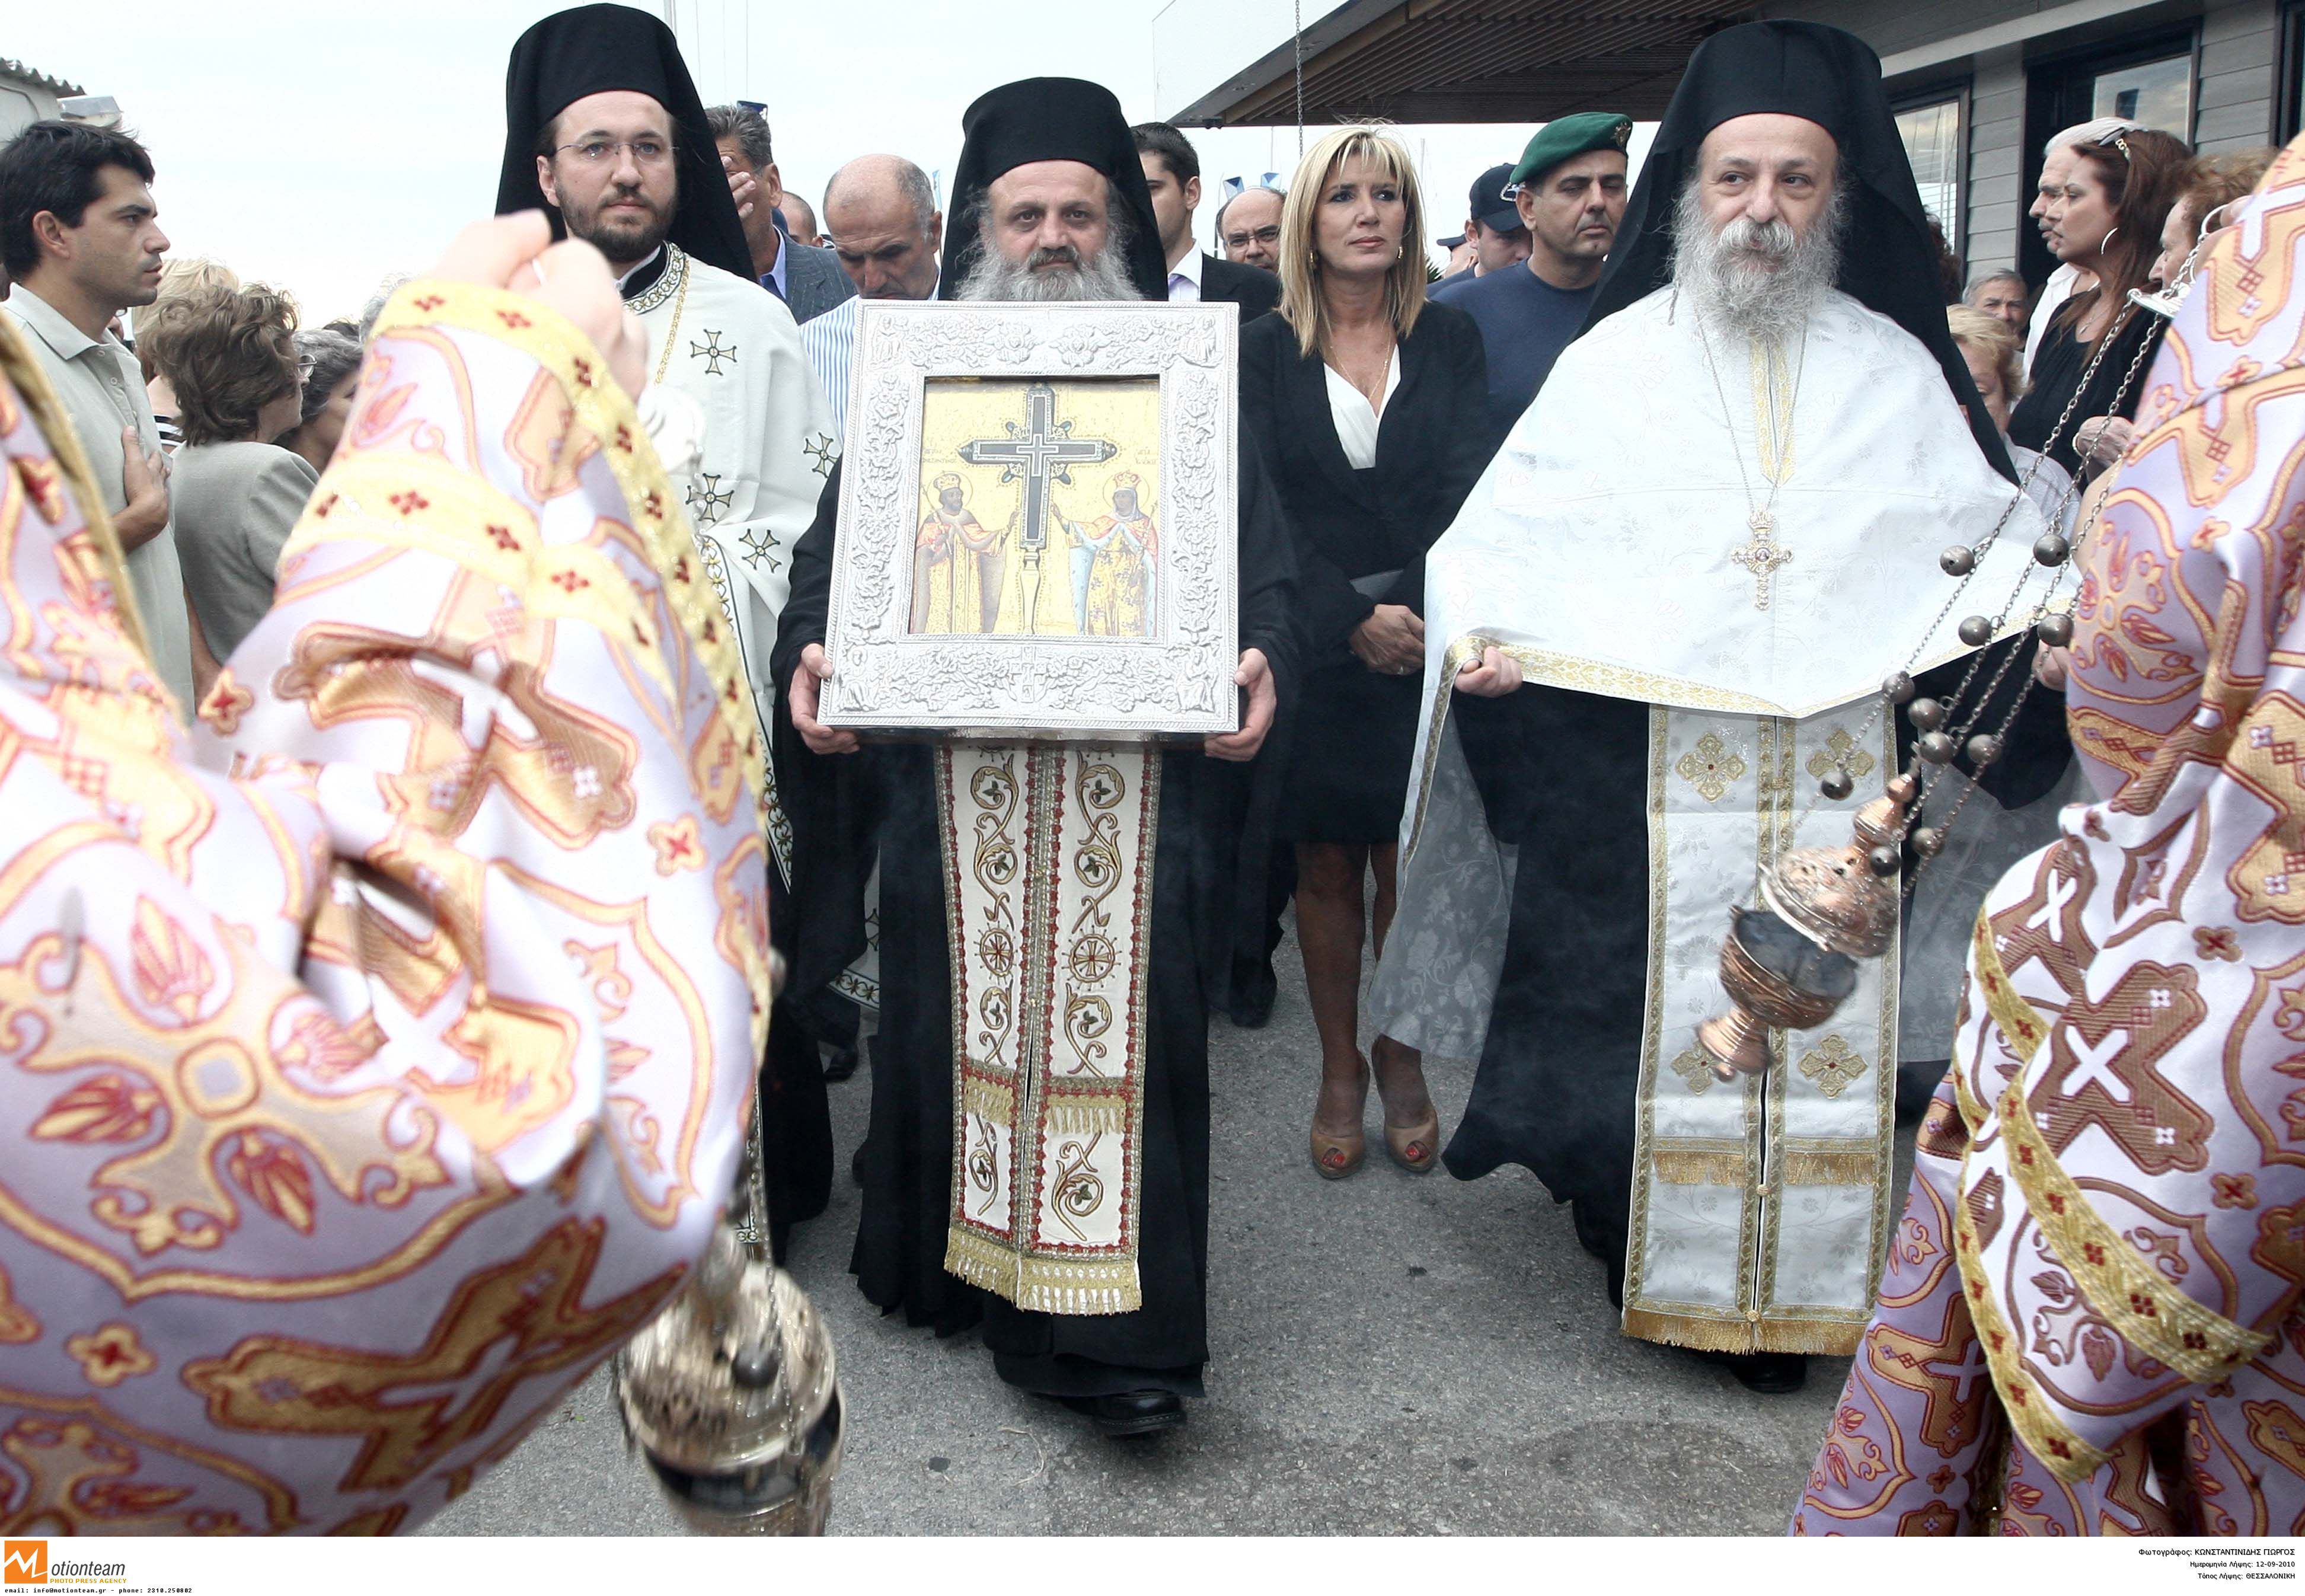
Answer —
(2154, 93)
(1932, 136)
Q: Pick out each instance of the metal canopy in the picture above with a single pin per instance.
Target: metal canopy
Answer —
(1425, 61)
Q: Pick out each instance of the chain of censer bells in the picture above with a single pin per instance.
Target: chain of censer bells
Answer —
(1788, 965)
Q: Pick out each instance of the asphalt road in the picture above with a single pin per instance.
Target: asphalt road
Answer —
(1393, 1355)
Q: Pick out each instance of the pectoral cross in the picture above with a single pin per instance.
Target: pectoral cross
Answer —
(1763, 555)
(1041, 451)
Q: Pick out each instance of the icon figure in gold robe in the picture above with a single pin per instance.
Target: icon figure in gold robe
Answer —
(957, 566)
(1113, 560)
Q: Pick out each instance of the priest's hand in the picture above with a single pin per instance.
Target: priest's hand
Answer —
(815, 670)
(572, 277)
(1391, 641)
(2051, 667)
(1239, 746)
(1497, 674)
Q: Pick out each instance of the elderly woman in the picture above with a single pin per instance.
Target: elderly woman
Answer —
(230, 356)
(2107, 221)
(331, 363)
(1366, 403)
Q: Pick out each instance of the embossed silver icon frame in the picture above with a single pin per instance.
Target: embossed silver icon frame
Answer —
(888, 680)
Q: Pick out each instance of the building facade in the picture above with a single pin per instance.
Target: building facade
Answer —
(1978, 85)
(28, 96)
(1980, 88)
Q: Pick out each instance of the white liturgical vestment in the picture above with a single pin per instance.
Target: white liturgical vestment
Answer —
(768, 444)
(1744, 536)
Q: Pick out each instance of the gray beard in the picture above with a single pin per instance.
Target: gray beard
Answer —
(995, 277)
(1757, 279)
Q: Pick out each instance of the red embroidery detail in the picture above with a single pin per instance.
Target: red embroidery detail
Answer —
(512, 319)
(2093, 1252)
(568, 581)
(583, 373)
(2138, 1303)
(410, 502)
(503, 537)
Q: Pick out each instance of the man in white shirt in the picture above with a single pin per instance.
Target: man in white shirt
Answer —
(888, 231)
(81, 237)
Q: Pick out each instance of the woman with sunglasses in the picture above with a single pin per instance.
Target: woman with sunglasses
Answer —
(2105, 221)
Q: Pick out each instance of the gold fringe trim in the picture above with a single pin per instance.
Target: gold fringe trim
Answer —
(993, 1100)
(1086, 1116)
(1042, 1285)
(1810, 1337)
(2144, 1310)
(1683, 1168)
(1828, 1168)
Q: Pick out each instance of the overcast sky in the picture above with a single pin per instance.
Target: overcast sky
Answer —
(319, 146)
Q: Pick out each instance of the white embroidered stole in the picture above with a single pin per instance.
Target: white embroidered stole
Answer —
(1048, 857)
(1760, 1207)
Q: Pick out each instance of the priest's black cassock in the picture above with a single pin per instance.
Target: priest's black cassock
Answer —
(1561, 773)
(844, 805)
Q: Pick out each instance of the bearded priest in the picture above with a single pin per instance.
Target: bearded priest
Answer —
(1700, 548)
(1050, 203)
(605, 132)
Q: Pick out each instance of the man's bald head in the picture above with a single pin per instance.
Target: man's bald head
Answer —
(880, 212)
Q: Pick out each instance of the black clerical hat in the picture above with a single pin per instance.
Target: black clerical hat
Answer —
(591, 50)
(1823, 75)
(1049, 119)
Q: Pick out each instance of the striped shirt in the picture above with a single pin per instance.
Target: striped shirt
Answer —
(828, 340)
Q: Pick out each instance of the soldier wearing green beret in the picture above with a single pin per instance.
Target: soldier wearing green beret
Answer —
(1569, 189)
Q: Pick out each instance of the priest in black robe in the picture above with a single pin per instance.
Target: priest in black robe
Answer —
(1574, 844)
(1093, 235)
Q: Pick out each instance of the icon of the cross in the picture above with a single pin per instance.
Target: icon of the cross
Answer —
(1041, 451)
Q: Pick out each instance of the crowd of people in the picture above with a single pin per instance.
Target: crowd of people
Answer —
(1523, 792)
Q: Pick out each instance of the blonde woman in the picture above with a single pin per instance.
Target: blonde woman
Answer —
(1367, 403)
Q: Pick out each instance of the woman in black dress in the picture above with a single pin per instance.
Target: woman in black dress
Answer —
(2106, 221)
(1366, 403)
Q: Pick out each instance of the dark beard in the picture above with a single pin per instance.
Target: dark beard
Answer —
(626, 243)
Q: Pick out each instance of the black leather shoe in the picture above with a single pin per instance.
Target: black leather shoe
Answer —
(1765, 1373)
(1131, 1412)
(841, 1065)
(1254, 988)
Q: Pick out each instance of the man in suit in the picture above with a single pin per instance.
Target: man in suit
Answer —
(1173, 173)
(809, 281)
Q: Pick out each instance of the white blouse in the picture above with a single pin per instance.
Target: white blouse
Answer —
(1356, 421)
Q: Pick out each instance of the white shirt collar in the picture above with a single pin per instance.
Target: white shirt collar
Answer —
(1189, 267)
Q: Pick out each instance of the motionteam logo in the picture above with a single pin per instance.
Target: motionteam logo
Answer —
(24, 1563)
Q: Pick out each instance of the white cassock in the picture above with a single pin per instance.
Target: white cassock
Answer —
(769, 442)
(1614, 547)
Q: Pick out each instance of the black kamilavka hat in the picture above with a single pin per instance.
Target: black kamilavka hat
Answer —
(1823, 75)
(591, 50)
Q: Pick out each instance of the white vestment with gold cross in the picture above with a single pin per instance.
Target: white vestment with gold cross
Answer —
(729, 347)
(1744, 535)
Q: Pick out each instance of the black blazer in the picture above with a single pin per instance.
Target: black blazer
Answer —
(1430, 448)
(1254, 290)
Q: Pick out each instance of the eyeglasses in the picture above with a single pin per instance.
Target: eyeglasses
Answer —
(1263, 235)
(601, 152)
